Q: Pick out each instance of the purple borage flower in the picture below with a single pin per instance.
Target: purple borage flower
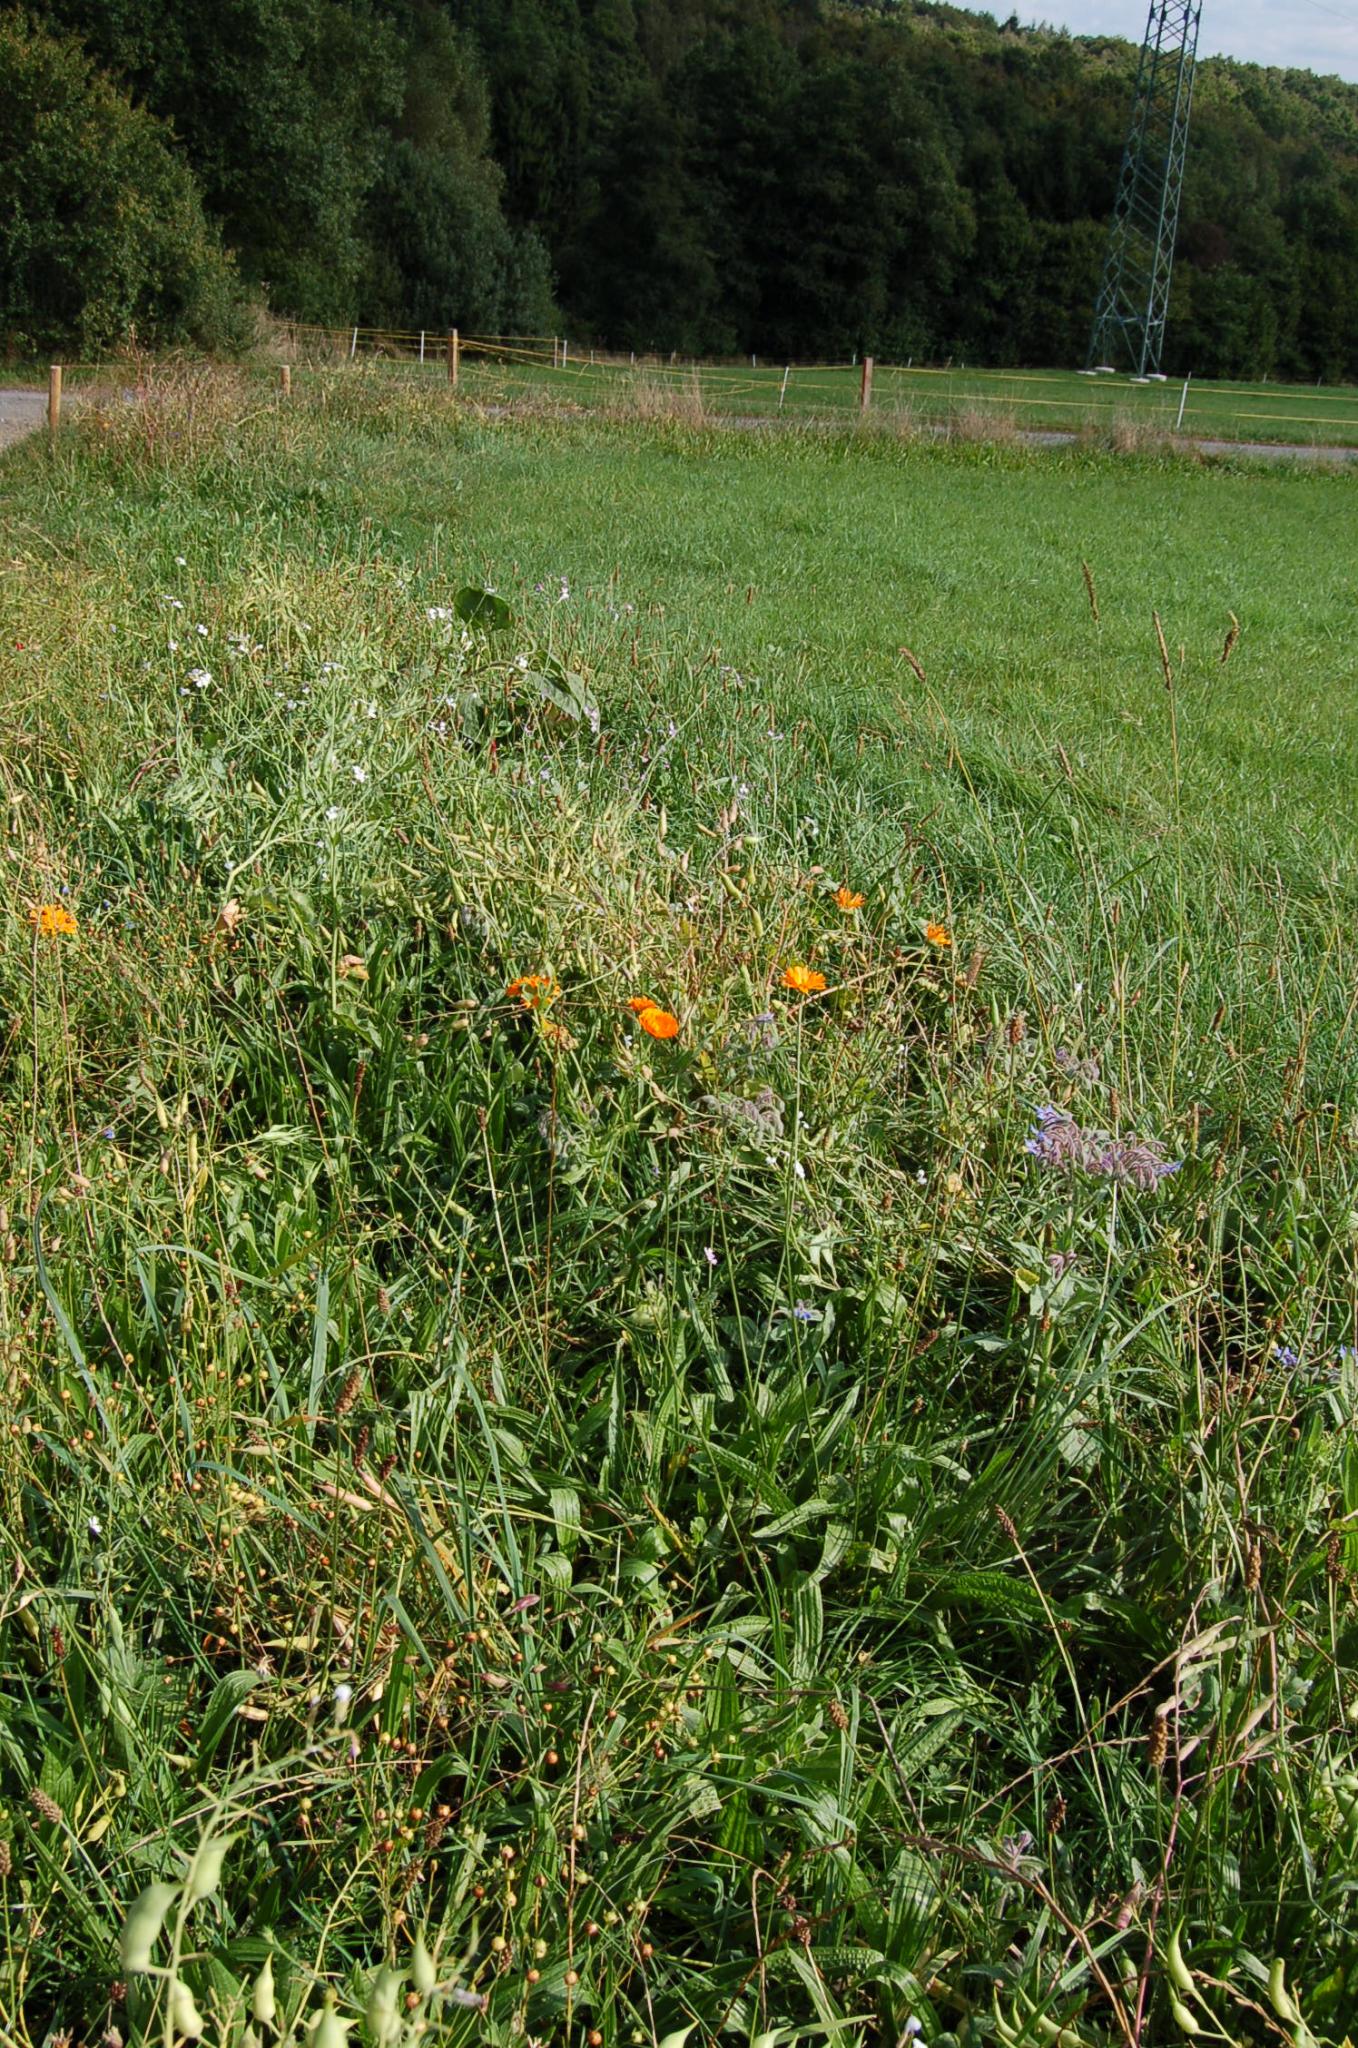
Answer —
(1057, 1141)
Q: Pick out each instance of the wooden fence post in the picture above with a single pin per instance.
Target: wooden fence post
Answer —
(865, 385)
(285, 379)
(54, 400)
(454, 356)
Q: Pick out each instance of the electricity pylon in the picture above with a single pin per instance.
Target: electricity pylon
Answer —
(1129, 317)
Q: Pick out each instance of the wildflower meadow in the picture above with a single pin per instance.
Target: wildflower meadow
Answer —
(678, 1236)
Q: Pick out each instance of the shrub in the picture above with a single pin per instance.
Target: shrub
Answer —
(102, 231)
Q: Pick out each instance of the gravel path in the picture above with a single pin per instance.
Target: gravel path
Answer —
(20, 413)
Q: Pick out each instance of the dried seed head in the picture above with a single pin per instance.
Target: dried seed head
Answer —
(838, 1716)
(1254, 1563)
(1006, 1522)
(6, 1860)
(1157, 1742)
(349, 1393)
(1090, 592)
(43, 1805)
(1231, 637)
(1334, 1558)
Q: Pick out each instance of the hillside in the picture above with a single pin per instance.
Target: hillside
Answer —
(716, 176)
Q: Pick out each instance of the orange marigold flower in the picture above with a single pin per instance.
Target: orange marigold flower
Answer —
(805, 980)
(658, 1023)
(53, 920)
(848, 899)
(937, 934)
(636, 1004)
(534, 991)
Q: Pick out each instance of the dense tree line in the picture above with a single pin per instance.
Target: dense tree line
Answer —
(796, 177)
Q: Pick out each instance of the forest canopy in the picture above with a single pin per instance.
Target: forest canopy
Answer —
(802, 178)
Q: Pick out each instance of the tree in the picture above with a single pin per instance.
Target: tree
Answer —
(102, 229)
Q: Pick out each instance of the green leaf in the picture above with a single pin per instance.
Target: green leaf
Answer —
(808, 1628)
(566, 693)
(320, 1337)
(232, 1689)
(482, 608)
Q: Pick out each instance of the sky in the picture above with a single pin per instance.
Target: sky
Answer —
(1311, 35)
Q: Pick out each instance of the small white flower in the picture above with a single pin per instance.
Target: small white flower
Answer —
(370, 710)
(95, 1526)
(173, 602)
(343, 1695)
(200, 677)
(174, 647)
(359, 774)
(201, 631)
(438, 611)
(182, 561)
(710, 1254)
(799, 1169)
(332, 812)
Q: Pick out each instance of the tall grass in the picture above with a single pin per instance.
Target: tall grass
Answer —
(522, 1529)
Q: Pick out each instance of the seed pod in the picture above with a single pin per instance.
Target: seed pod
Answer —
(383, 2010)
(422, 1973)
(1177, 1970)
(205, 1871)
(1183, 2018)
(185, 2017)
(1279, 1997)
(145, 1918)
(330, 2031)
(263, 2004)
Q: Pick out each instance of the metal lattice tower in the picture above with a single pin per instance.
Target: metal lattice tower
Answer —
(1129, 318)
